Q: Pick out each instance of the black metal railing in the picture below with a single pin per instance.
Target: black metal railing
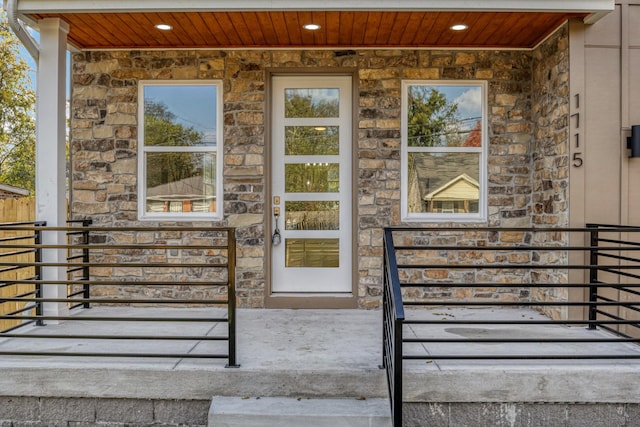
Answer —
(595, 284)
(608, 245)
(392, 320)
(78, 271)
(120, 272)
(15, 245)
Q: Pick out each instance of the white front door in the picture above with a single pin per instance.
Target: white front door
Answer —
(311, 183)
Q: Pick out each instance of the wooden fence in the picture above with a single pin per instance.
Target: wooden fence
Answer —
(14, 210)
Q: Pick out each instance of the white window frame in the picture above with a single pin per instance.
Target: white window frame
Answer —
(481, 215)
(218, 214)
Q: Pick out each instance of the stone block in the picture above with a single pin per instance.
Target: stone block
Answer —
(422, 73)
(475, 415)
(102, 132)
(89, 92)
(124, 410)
(19, 408)
(542, 415)
(184, 412)
(425, 414)
(62, 409)
(633, 414)
(464, 58)
(596, 415)
(37, 424)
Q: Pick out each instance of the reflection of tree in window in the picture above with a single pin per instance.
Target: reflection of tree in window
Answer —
(160, 129)
(303, 103)
(312, 178)
(311, 140)
(431, 118)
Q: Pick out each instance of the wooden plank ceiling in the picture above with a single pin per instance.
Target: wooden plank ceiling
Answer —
(275, 29)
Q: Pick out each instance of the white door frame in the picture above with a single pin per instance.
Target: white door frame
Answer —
(339, 287)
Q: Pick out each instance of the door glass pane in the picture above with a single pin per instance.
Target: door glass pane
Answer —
(311, 140)
(312, 177)
(305, 103)
(443, 182)
(312, 215)
(312, 252)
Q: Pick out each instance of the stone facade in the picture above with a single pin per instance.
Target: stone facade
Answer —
(526, 164)
(550, 173)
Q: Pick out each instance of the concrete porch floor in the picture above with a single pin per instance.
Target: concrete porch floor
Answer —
(315, 353)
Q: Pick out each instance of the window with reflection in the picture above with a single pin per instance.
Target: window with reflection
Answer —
(444, 151)
(311, 103)
(180, 150)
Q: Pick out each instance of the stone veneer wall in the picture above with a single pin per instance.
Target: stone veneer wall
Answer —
(104, 140)
(550, 174)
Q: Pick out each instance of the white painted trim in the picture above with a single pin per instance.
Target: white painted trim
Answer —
(218, 150)
(19, 30)
(106, 6)
(51, 204)
(482, 214)
(16, 190)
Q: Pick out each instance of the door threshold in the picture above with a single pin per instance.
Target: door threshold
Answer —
(311, 300)
(312, 294)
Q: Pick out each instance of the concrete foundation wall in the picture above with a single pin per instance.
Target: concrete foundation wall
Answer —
(89, 412)
(521, 414)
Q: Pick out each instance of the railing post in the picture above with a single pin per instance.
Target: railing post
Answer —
(86, 273)
(38, 269)
(385, 313)
(593, 275)
(397, 373)
(231, 296)
(393, 319)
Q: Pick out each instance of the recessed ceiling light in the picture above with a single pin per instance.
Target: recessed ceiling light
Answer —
(164, 27)
(311, 27)
(459, 27)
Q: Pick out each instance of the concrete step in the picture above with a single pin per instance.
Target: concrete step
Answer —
(296, 412)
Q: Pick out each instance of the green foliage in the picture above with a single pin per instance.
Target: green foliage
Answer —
(17, 123)
(311, 140)
(161, 129)
(431, 118)
(298, 105)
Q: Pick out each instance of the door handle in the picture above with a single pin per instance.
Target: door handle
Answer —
(276, 238)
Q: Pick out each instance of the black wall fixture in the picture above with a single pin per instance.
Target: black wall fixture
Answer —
(633, 141)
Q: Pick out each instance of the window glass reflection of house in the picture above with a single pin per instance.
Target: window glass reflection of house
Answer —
(186, 195)
(444, 182)
(461, 194)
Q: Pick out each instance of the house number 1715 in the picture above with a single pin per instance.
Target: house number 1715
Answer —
(577, 156)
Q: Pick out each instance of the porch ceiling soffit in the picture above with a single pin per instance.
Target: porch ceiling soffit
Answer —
(129, 24)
